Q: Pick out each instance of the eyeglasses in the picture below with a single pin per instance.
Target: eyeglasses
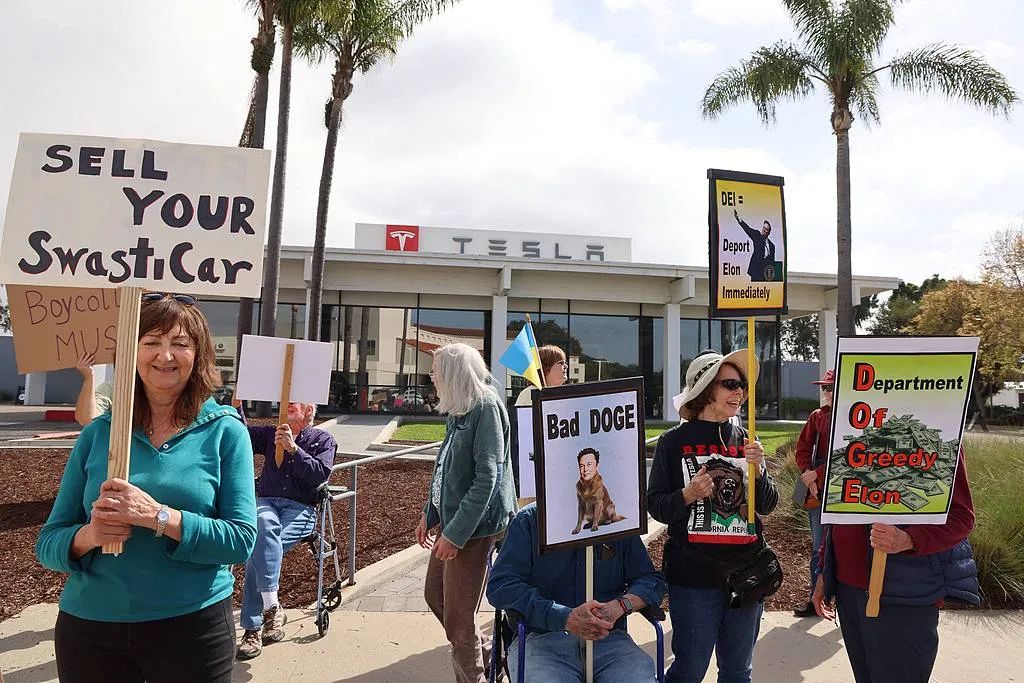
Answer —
(565, 366)
(733, 384)
(183, 299)
(827, 388)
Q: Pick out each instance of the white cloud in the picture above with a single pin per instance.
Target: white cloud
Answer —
(732, 12)
(695, 48)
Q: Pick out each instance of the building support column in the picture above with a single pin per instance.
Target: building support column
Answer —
(827, 331)
(35, 389)
(499, 323)
(670, 362)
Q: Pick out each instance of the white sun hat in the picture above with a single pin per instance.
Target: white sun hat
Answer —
(704, 368)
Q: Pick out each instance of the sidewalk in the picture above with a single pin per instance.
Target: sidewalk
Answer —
(402, 646)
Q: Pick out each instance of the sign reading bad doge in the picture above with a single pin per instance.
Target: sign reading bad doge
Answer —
(102, 212)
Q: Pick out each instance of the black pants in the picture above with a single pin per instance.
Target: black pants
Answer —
(897, 646)
(193, 647)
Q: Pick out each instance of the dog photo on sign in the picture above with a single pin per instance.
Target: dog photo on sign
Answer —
(594, 502)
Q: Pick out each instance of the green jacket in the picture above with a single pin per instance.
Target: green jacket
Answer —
(206, 472)
(477, 492)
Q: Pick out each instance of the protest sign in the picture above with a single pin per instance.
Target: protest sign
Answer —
(747, 256)
(590, 463)
(262, 364)
(897, 422)
(525, 452)
(54, 326)
(102, 212)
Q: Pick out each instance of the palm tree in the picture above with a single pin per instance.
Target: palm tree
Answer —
(288, 14)
(839, 46)
(356, 34)
(254, 130)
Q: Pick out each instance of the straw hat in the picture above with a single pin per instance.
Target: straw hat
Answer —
(704, 368)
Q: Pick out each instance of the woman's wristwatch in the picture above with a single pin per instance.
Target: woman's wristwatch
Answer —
(162, 517)
(626, 605)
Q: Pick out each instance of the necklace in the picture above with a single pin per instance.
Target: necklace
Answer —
(152, 430)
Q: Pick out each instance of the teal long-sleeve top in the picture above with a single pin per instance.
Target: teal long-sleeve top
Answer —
(206, 472)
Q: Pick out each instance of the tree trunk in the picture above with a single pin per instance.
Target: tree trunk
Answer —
(263, 55)
(272, 263)
(844, 272)
(400, 380)
(316, 289)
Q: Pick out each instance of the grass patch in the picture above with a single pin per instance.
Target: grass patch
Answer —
(419, 431)
(995, 468)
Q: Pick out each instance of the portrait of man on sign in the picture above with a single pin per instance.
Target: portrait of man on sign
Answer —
(763, 266)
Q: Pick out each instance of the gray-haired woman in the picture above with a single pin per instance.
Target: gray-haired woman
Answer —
(468, 505)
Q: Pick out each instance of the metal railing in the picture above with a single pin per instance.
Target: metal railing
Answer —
(352, 490)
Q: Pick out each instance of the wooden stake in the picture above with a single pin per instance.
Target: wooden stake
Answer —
(875, 584)
(589, 661)
(286, 392)
(119, 451)
(751, 425)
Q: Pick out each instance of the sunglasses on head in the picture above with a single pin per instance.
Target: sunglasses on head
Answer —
(733, 384)
(183, 299)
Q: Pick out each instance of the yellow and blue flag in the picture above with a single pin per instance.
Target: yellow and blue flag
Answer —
(523, 357)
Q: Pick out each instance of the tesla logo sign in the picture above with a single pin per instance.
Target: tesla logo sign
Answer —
(402, 238)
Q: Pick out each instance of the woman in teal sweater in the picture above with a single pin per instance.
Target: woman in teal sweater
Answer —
(468, 504)
(161, 610)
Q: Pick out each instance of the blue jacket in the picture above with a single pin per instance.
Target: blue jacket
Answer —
(206, 472)
(546, 588)
(918, 579)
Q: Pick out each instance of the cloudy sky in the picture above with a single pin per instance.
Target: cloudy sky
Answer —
(572, 116)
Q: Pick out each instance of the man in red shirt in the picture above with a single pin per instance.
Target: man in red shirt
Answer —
(811, 448)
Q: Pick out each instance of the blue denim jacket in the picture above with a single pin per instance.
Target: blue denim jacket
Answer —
(545, 588)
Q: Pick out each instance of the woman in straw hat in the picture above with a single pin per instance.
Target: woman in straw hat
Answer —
(697, 487)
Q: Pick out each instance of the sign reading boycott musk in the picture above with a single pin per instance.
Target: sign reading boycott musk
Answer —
(102, 212)
(55, 326)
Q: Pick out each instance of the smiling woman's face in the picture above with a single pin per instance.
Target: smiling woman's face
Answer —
(165, 360)
(725, 402)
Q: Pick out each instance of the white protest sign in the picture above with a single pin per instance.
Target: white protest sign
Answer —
(261, 367)
(525, 452)
(590, 462)
(102, 212)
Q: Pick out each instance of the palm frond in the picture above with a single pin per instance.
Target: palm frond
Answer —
(956, 72)
(771, 74)
(380, 26)
(864, 98)
(813, 20)
(861, 26)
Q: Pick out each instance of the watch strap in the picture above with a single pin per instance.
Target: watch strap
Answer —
(161, 521)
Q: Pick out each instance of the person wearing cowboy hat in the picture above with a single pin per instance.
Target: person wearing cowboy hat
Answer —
(703, 536)
(810, 451)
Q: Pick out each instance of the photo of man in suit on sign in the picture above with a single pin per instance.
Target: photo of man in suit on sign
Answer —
(763, 266)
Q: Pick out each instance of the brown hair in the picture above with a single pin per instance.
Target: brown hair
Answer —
(549, 355)
(161, 317)
(694, 406)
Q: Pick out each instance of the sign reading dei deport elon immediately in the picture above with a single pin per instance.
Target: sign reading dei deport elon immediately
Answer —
(747, 216)
(103, 212)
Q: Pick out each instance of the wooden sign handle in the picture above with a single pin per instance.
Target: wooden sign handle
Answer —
(589, 647)
(119, 452)
(875, 584)
(751, 427)
(286, 391)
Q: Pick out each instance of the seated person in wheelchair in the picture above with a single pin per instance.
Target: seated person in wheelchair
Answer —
(286, 499)
(549, 590)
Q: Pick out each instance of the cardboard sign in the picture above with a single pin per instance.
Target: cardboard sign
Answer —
(54, 326)
(590, 462)
(102, 212)
(747, 244)
(897, 422)
(525, 452)
(261, 367)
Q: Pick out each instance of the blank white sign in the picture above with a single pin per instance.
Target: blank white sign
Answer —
(261, 369)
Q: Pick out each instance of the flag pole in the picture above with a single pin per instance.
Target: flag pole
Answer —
(751, 426)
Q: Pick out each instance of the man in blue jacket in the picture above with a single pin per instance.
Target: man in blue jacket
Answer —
(286, 497)
(549, 592)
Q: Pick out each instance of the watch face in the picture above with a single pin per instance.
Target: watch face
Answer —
(163, 516)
